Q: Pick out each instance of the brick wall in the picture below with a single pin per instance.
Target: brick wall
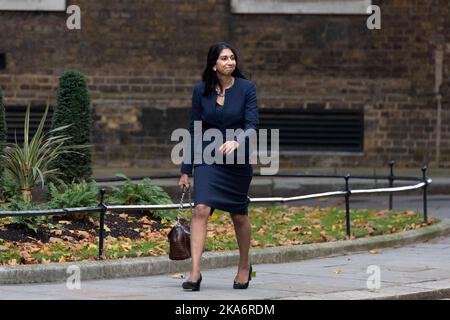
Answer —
(142, 59)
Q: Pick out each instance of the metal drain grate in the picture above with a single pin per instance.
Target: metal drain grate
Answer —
(316, 130)
(15, 117)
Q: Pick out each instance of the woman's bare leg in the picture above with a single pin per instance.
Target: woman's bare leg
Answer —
(199, 222)
(243, 231)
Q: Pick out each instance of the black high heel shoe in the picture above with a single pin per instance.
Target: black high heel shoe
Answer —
(191, 285)
(237, 285)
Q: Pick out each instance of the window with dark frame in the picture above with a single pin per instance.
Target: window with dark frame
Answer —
(315, 130)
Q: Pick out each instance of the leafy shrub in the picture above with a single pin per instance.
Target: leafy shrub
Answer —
(30, 163)
(75, 194)
(141, 193)
(3, 131)
(8, 188)
(29, 222)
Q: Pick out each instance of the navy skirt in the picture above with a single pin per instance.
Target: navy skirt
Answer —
(223, 186)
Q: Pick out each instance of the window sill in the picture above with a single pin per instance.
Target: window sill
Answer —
(344, 7)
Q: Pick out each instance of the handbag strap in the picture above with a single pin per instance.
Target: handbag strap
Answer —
(180, 208)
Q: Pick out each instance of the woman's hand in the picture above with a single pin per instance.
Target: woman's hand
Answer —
(228, 147)
(184, 181)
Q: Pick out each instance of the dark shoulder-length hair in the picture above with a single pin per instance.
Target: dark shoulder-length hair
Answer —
(209, 75)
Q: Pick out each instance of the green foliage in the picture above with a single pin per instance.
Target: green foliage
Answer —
(73, 195)
(81, 194)
(8, 188)
(3, 131)
(30, 163)
(30, 222)
(73, 109)
(140, 194)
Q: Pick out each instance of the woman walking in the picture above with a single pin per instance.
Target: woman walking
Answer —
(224, 99)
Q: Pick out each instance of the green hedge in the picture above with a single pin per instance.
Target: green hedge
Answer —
(3, 136)
(73, 107)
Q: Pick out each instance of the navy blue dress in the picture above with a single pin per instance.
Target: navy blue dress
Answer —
(223, 185)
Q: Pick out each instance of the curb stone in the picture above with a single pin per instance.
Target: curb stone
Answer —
(438, 294)
(148, 266)
(425, 290)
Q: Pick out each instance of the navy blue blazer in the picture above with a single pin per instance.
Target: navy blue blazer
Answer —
(240, 111)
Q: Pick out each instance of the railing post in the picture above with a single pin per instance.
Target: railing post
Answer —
(102, 223)
(391, 182)
(347, 205)
(425, 179)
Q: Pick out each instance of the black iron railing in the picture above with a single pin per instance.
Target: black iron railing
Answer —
(347, 193)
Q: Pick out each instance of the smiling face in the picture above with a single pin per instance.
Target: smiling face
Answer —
(226, 63)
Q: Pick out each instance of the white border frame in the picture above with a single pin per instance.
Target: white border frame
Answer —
(32, 5)
(358, 7)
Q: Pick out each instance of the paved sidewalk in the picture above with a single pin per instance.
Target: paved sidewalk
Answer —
(420, 270)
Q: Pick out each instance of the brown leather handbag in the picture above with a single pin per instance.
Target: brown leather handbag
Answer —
(180, 236)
